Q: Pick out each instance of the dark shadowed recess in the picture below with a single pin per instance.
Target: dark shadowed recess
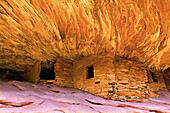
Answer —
(47, 70)
(167, 77)
(47, 74)
(8, 74)
(153, 77)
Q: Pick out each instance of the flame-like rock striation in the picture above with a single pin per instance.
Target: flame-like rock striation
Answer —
(32, 30)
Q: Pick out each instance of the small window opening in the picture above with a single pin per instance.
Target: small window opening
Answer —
(90, 73)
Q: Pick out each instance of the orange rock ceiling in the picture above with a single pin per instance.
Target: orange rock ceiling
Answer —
(32, 30)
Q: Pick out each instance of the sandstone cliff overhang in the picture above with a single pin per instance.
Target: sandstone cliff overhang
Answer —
(40, 30)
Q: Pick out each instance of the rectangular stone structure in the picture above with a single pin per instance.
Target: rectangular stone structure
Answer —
(114, 78)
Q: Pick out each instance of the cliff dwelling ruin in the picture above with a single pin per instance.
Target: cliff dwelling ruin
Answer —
(114, 49)
(103, 75)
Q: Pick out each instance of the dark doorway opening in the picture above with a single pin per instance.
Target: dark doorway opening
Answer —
(90, 73)
(47, 73)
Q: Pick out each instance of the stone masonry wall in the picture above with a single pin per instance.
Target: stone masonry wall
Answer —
(117, 79)
(63, 69)
(131, 80)
(103, 76)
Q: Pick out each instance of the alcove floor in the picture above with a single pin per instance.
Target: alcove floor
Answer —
(17, 96)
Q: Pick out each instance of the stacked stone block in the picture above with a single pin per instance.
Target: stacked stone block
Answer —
(63, 69)
(131, 80)
(99, 85)
(114, 78)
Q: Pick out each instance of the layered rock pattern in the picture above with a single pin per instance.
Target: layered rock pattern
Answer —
(32, 30)
(17, 96)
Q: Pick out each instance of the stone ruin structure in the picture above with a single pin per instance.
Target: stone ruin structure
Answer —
(103, 75)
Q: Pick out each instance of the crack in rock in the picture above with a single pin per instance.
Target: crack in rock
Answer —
(18, 87)
(93, 102)
(56, 91)
(15, 104)
(156, 111)
(58, 110)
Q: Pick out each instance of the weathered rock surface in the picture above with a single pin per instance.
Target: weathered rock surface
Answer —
(16, 96)
(33, 74)
(32, 30)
